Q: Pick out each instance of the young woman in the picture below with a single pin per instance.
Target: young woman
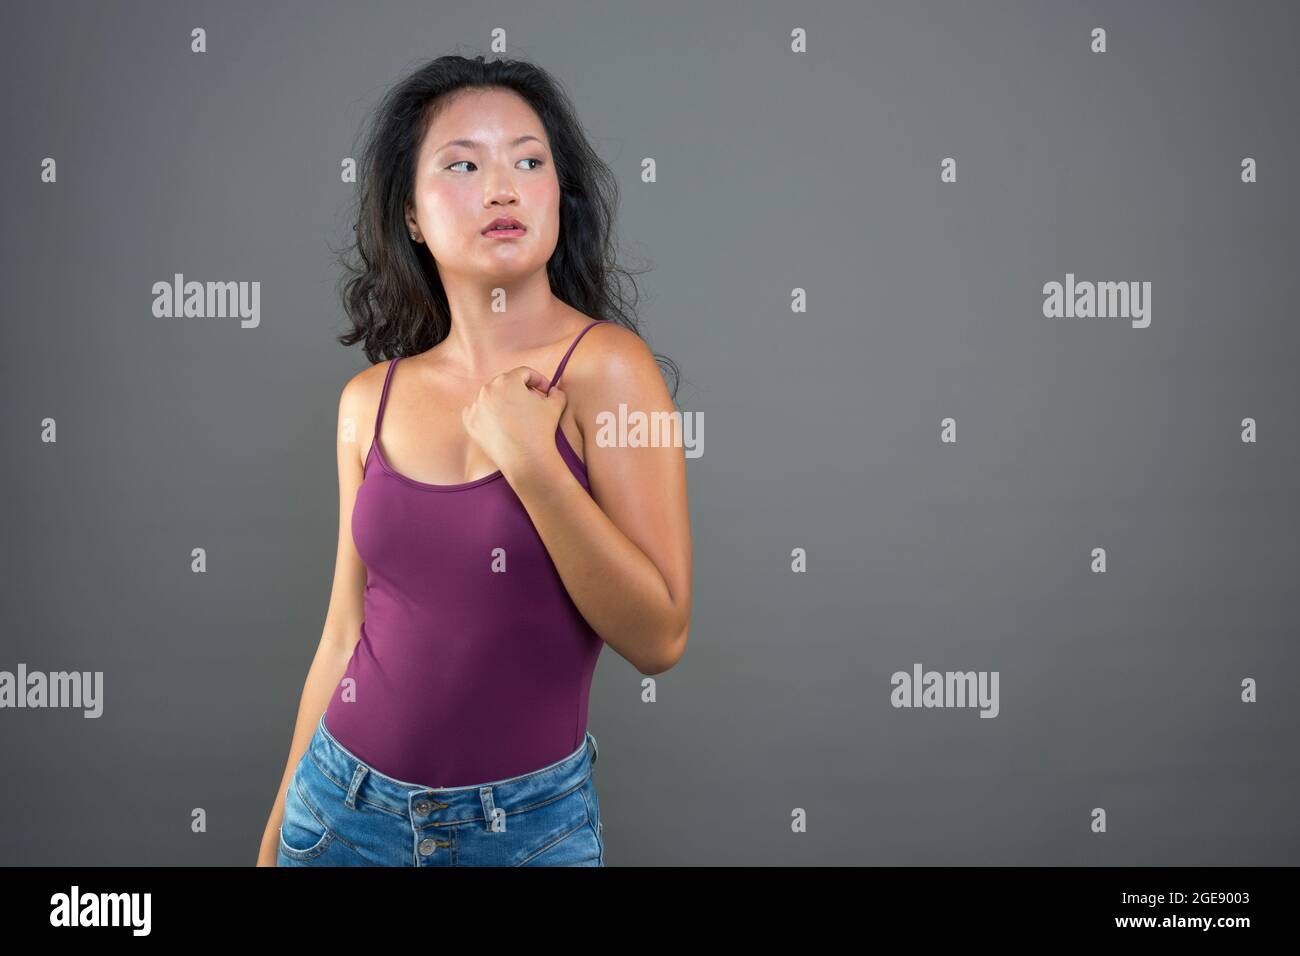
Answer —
(489, 545)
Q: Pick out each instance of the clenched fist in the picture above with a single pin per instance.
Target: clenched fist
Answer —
(513, 419)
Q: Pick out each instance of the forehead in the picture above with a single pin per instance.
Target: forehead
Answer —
(493, 117)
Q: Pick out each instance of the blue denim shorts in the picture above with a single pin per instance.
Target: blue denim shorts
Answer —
(340, 812)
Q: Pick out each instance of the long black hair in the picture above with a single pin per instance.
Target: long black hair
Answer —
(392, 293)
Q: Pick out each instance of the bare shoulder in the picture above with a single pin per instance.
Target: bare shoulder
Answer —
(609, 367)
(612, 359)
(363, 389)
(358, 406)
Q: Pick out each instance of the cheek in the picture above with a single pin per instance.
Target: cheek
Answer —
(445, 214)
(545, 198)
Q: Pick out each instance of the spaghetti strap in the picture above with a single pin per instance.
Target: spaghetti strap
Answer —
(564, 361)
(383, 400)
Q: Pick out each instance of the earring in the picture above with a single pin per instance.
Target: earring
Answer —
(413, 236)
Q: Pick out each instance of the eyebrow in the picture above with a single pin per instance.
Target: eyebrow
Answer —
(471, 143)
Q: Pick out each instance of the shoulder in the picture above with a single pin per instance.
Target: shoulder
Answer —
(610, 354)
(359, 397)
(612, 365)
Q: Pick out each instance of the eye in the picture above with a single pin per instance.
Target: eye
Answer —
(531, 159)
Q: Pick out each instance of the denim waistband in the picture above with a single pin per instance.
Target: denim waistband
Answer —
(448, 805)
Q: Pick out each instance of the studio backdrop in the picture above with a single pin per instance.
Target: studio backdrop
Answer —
(990, 309)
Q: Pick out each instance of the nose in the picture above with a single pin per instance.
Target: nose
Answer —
(500, 189)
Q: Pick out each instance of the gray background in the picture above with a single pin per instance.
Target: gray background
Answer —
(776, 170)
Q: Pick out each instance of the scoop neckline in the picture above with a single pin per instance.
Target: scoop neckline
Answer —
(378, 453)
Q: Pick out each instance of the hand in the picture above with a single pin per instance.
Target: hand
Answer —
(513, 419)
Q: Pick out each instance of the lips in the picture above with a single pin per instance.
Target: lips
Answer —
(504, 223)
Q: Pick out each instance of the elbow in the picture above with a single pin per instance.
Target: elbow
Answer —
(669, 653)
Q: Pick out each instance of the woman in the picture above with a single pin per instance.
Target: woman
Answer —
(489, 546)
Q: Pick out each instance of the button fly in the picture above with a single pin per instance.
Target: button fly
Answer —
(423, 807)
(426, 846)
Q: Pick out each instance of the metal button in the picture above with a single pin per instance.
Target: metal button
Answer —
(426, 846)
(424, 806)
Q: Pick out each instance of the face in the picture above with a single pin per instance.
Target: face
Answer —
(486, 155)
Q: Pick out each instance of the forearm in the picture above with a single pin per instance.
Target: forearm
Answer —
(323, 677)
(615, 586)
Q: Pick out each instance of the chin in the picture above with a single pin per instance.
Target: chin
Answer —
(503, 269)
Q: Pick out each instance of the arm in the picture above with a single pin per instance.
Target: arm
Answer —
(343, 619)
(623, 552)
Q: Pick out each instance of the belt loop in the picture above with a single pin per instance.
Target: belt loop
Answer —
(490, 811)
(595, 750)
(351, 799)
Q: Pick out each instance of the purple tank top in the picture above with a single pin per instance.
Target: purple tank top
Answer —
(473, 664)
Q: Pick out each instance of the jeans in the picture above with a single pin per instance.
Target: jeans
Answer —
(340, 812)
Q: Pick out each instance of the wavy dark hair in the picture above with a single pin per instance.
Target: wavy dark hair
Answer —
(391, 290)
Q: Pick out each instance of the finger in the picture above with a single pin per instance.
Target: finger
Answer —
(531, 378)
